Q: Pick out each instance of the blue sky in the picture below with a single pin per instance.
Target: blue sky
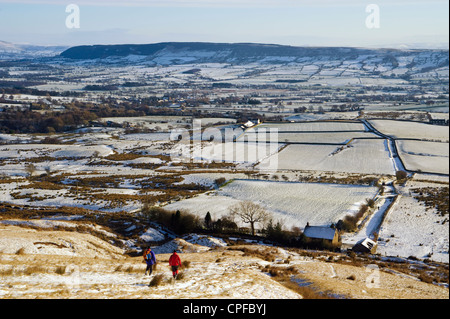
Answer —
(422, 23)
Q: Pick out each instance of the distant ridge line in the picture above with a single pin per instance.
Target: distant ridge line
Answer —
(223, 51)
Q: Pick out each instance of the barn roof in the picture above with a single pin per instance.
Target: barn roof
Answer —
(319, 232)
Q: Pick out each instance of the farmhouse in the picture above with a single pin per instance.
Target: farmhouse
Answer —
(328, 234)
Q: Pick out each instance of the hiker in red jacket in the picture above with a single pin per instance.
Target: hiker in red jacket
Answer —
(175, 262)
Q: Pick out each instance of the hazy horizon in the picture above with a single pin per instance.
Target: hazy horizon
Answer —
(320, 23)
(419, 46)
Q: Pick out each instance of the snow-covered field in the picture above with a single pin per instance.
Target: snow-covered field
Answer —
(293, 204)
(24, 151)
(312, 127)
(309, 132)
(165, 123)
(359, 156)
(322, 117)
(412, 230)
(414, 130)
(242, 154)
(425, 156)
(315, 137)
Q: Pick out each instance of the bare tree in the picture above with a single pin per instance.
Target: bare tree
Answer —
(94, 156)
(250, 213)
(30, 169)
(48, 170)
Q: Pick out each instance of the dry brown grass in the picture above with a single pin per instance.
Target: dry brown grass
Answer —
(42, 185)
(434, 197)
(157, 280)
(123, 157)
(264, 254)
(306, 292)
(181, 276)
(20, 270)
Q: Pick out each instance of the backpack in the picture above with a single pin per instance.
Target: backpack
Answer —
(147, 255)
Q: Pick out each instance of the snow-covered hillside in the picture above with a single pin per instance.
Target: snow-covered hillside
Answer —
(379, 60)
(286, 63)
(13, 51)
(35, 264)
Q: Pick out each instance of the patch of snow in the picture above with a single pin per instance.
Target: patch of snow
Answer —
(152, 235)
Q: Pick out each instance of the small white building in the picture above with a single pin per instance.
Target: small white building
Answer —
(366, 245)
(251, 123)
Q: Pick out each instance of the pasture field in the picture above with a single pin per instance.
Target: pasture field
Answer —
(307, 138)
(410, 229)
(292, 203)
(359, 156)
(424, 156)
(319, 126)
(412, 130)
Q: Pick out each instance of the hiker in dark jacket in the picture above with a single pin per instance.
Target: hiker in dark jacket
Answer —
(150, 259)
